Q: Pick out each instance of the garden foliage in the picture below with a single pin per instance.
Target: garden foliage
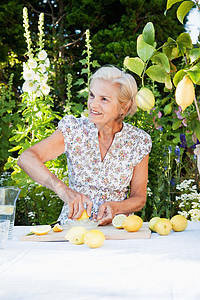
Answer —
(157, 66)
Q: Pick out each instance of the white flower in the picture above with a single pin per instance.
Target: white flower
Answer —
(47, 62)
(45, 89)
(85, 113)
(44, 78)
(42, 55)
(39, 114)
(36, 78)
(32, 63)
(28, 74)
(38, 93)
(29, 86)
(42, 68)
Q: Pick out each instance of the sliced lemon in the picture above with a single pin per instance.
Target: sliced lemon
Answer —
(118, 220)
(57, 228)
(83, 216)
(41, 230)
(6, 209)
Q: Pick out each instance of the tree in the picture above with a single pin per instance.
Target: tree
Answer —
(114, 26)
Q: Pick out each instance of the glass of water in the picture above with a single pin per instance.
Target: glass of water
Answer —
(8, 198)
(4, 228)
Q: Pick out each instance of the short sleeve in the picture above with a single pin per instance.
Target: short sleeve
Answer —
(69, 126)
(144, 144)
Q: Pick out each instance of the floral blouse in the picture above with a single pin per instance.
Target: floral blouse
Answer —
(106, 180)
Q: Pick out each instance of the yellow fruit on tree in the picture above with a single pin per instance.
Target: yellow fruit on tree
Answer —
(132, 223)
(179, 223)
(94, 238)
(185, 93)
(145, 99)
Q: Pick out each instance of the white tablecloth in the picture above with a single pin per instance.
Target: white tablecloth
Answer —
(163, 267)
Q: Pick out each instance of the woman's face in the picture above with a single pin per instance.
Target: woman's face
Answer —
(103, 104)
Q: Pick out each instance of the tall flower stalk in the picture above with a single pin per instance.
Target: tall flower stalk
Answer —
(35, 70)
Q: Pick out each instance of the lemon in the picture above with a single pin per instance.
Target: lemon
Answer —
(185, 93)
(145, 99)
(118, 220)
(76, 234)
(41, 230)
(94, 238)
(83, 216)
(163, 226)
(57, 228)
(179, 223)
(132, 223)
(152, 223)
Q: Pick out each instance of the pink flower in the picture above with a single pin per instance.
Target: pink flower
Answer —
(178, 113)
(159, 114)
(184, 122)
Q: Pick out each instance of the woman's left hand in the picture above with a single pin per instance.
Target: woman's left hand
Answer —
(106, 213)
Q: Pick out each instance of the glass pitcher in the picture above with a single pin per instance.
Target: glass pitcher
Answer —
(8, 198)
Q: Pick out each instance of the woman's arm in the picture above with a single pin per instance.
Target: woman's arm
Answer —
(32, 162)
(136, 200)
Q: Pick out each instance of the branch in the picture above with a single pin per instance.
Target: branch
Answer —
(72, 43)
(195, 101)
(37, 11)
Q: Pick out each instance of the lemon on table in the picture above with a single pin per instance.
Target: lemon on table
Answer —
(132, 223)
(179, 223)
(94, 238)
(118, 220)
(76, 234)
(152, 223)
(41, 229)
(57, 228)
(83, 216)
(163, 226)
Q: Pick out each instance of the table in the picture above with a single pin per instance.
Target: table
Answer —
(163, 267)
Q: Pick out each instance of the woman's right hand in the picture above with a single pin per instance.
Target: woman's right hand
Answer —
(75, 201)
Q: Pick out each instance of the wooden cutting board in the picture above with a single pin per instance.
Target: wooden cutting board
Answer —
(111, 233)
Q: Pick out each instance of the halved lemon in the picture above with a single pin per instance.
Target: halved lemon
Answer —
(118, 220)
(41, 229)
(83, 216)
(57, 228)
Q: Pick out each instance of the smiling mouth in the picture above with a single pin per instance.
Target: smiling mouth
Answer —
(96, 113)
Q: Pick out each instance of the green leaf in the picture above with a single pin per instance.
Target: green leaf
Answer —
(168, 82)
(183, 9)
(144, 50)
(161, 59)
(168, 109)
(156, 73)
(170, 48)
(176, 125)
(15, 148)
(184, 41)
(194, 54)
(149, 33)
(178, 77)
(172, 2)
(134, 64)
(194, 74)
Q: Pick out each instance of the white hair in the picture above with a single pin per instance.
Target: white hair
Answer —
(126, 82)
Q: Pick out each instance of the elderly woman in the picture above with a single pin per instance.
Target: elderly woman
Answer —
(106, 157)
